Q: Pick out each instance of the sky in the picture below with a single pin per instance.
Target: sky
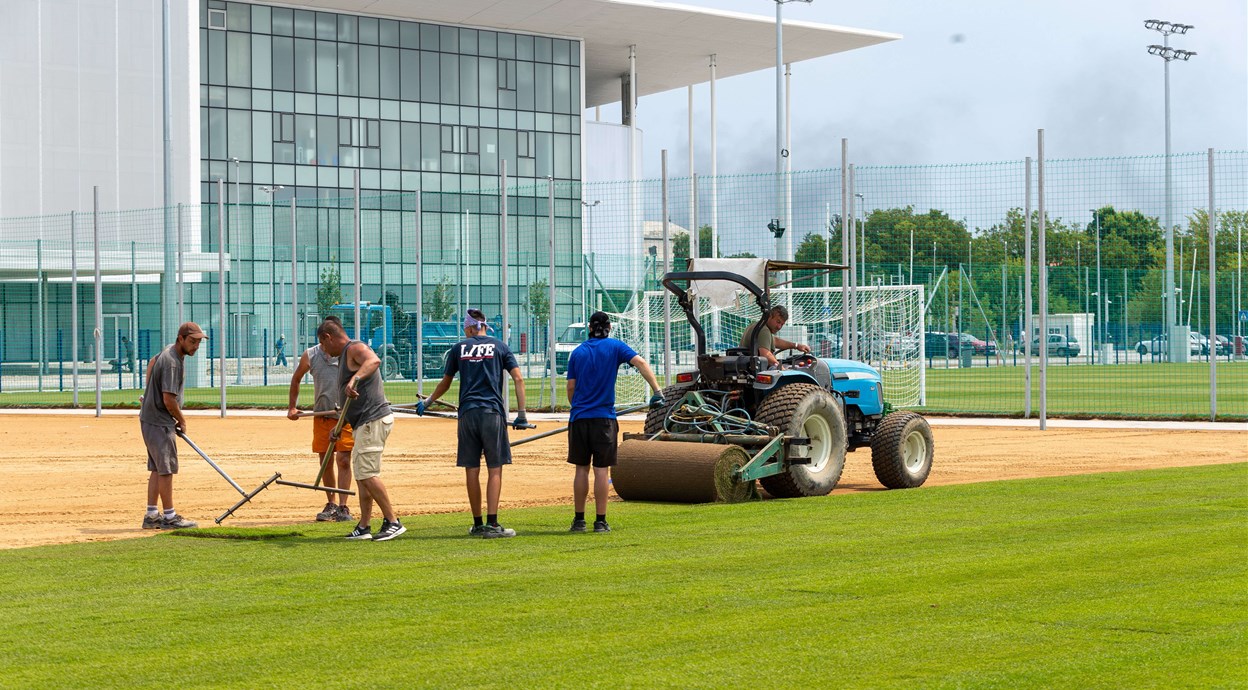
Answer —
(972, 81)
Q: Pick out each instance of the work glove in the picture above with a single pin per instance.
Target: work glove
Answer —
(420, 408)
(656, 401)
(521, 421)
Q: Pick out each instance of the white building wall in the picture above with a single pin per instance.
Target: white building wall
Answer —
(80, 105)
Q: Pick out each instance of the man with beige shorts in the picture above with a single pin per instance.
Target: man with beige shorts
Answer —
(328, 395)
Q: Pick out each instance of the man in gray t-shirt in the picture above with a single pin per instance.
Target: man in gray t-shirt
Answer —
(768, 343)
(160, 419)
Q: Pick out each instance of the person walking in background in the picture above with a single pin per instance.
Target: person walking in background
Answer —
(371, 419)
(280, 351)
(480, 361)
(160, 421)
(328, 396)
(593, 432)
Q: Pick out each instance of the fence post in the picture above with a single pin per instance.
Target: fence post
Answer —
(98, 333)
(1044, 287)
(1026, 334)
(221, 284)
(550, 326)
(420, 300)
(1213, 305)
(39, 285)
(73, 301)
(506, 298)
(667, 296)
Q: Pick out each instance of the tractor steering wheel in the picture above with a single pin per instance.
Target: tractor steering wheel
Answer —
(799, 360)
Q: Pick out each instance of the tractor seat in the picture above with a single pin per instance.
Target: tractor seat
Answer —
(737, 352)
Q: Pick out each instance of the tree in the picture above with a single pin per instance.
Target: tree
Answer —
(538, 301)
(680, 247)
(440, 305)
(812, 248)
(329, 292)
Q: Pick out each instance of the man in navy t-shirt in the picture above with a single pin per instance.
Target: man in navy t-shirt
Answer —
(593, 433)
(480, 362)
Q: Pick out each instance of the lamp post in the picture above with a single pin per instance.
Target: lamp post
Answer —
(589, 230)
(272, 192)
(1168, 54)
(781, 151)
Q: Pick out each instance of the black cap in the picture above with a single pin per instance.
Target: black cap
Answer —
(599, 318)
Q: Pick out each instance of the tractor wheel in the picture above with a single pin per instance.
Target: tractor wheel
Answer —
(391, 370)
(671, 396)
(901, 450)
(806, 411)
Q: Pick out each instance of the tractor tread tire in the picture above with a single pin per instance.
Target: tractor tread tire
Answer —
(778, 410)
(886, 450)
(671, 396)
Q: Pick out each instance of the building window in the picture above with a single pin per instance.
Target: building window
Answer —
(461, 139)
(507, 75)
(283, 127)
(216, 19)
(526, 146)
(355, 131)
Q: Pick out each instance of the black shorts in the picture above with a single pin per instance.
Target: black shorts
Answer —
(595, 439)
(482, 431)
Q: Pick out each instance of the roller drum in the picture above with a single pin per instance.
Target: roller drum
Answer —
(675, 472)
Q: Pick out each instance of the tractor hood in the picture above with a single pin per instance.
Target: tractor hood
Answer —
(853, 370)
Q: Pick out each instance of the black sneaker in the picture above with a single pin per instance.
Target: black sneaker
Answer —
(577, 526)
(343, 514)
(360, 533)
(389, 530)
(601, 526)
(177, 522)
(476, 531)
(150, 522)
(497, 532)
(329, 514)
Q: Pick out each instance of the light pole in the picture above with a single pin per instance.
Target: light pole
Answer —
(272, 192)
(1178, 351)
(862, 237)
(589, 230)
(781, 151)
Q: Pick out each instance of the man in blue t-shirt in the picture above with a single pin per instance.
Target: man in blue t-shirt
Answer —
(480, 362)
(593, 433)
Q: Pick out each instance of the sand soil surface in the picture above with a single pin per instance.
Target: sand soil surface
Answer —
(73, 479)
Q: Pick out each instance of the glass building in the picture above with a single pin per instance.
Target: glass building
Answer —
(305, 99)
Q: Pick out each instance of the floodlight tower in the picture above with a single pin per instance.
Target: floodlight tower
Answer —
(782, 151)
(1177, 346)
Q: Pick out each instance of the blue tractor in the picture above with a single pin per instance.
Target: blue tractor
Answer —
(735, 421)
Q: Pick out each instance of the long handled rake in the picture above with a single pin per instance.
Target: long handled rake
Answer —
(246, 496)
(444, 415)
(329, 454)
(560, 430)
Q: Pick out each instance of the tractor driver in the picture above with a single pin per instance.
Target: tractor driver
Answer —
(768, 342)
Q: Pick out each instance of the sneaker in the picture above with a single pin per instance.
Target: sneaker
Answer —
(389, 530)
(343, 514)
(476, 531)
(497, 532)
(601, 526)
(329, 514)
(577, 526)
(150, 522)
(177, 522)
(360, 533)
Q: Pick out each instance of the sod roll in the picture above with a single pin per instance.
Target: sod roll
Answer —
(675, 472)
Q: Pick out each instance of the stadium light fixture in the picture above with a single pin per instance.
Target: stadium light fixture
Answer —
(1168, 55)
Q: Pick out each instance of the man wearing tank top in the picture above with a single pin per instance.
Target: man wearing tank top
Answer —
(370, 416)
(328, 397)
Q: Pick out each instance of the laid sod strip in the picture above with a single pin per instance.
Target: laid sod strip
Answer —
(1133, 579)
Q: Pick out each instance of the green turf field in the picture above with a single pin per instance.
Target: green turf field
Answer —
(1115, 580)
(1137, 390)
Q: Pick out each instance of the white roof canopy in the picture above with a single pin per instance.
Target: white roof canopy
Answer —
(674, 42)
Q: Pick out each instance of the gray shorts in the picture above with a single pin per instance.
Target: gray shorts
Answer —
(162, 448)
(482, 431)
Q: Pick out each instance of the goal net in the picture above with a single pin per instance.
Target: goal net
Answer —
(890, 330)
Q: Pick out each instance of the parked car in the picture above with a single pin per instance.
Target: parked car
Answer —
(1058, 345)
(980, 347)
(1157, 345)
(1223, 346)
(936, 344)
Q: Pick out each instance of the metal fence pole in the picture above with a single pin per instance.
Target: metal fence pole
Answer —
(39, 287)
(667, 296)
(853, 269)
(506, 297)
(222, 304)
(420, 303)
(98, 333)
(1044, 287)
(1213, 304)
(73, 299)
(134, 320)
(355, 240)
(181, 271)
(1026, 334)
(297, 350)
(844, 248)
(550, 325)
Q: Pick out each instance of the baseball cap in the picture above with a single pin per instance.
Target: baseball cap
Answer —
(599, 318)
(192, 330)
(474, 319)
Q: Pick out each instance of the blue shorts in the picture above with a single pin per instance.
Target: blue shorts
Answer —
(482, 431)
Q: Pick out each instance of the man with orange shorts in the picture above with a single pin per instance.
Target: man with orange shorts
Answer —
(328, 396)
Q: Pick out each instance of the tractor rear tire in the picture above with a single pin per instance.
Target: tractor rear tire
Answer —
(901, 450)
(671, 396)
(805, 410)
